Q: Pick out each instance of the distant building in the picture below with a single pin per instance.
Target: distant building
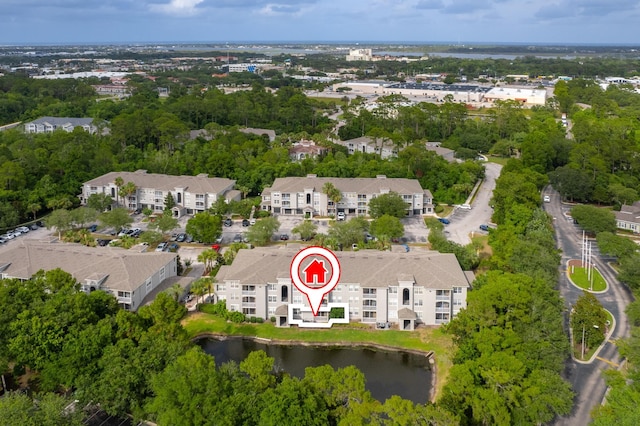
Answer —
(305, 149)
(68, 124)
(305, 196)
(527, 97)
(129, 275)
(628, 218)
(192, 194)
(252, 67)
(360, 55)
(385, 148)
(421, 287)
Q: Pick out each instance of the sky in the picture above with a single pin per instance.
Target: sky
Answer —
(423, 21)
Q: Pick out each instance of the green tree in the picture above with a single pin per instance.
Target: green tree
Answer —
(200, 287)
(614, 245)
(127, 190)
(116, 218)
(204, 227)
(119, 182)
(165, 223)
(59, 219)
(307, 230)
(185, 392)
(588, 319)
(208, 257)
(9, 216)
(169, 202)
(17, 408)
(333, 194)
(151, 237)
(34, 208)
(630, 271)
(387, 227)
(594, 219)
(260, 234)
(390, 204)
(100, 202)
(83, 215)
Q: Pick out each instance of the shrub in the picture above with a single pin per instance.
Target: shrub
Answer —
(259, 320)
(272, 319)
(236, 317)
(252, 320)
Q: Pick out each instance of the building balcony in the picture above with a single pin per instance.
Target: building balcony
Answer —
(248, 292)
(443, 298)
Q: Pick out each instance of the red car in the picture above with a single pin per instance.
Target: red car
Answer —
(216, 247)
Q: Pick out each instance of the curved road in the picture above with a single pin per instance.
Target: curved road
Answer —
(586, 379)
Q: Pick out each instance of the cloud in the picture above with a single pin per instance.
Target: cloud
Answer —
(178, 7)
(278, 9)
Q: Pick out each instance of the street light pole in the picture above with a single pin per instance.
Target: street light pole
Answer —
(583, 329)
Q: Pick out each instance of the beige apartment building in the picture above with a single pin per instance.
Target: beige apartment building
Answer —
(192, 194)
(376, 287)
(130, 275)
(305, 196)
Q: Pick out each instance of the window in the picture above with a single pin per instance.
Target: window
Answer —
(393, 290)
(368, 315)
(148, 286)
(369, 303)
(273, 299)
(457, 290)
(417, 302)
(248, 299)
(124, 294)
(297, 298)
(417, 290)
(405, 296)
(271, 287)
(249, 311)
(235, 286)
(162, 273)
(220, 287)
(354, 288)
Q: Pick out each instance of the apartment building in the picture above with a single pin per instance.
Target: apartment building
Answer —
(385, 148)
(130, 275)
(192, 194)
(305, 195)
(380, 288)
(68, 124)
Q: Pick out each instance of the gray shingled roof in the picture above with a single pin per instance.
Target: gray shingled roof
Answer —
(61, 121)
(125, 270)
(629, 213)
(200, 184)
(355, 185)
(370, 268)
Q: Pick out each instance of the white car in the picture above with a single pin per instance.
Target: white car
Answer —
(161, 247)
(547, 199)
(465, 206)
(252, 221)
(341, 216)
(23, 229)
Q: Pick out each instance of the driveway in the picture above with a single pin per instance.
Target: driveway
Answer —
(465, 223)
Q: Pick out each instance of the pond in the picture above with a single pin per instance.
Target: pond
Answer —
(387, 373)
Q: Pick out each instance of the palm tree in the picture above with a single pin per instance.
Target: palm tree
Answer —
(128, 190)
(333, 194)
(175, 291)
(200, 288)
(119, 183)
(208, 257)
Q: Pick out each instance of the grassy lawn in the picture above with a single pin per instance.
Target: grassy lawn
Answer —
(498, 160)
(424, 339)
(579, 277)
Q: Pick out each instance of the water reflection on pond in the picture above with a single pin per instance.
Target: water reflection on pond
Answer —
(387, 373)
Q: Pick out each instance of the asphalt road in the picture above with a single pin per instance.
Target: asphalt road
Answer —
(587, 380)
(464, 223)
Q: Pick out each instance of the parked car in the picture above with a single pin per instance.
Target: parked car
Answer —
(284, 237)
(341, 216)
(547, 199)
(123, 232)
(23, 229)
(102, 242)
(465, 206)
(33, 226)
(237, 238)
(444, 220)
(484, 227)
(216, 247)
(181, 237)
(161, 247)
(252, 221)
(219, 240)
(245, 222)
(135, 233)
(188, 238)
(228, 222)
(173, 247)
(92, 228)
(40, 224)
(368, 237)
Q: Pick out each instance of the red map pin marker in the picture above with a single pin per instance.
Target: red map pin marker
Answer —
(314, 280)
